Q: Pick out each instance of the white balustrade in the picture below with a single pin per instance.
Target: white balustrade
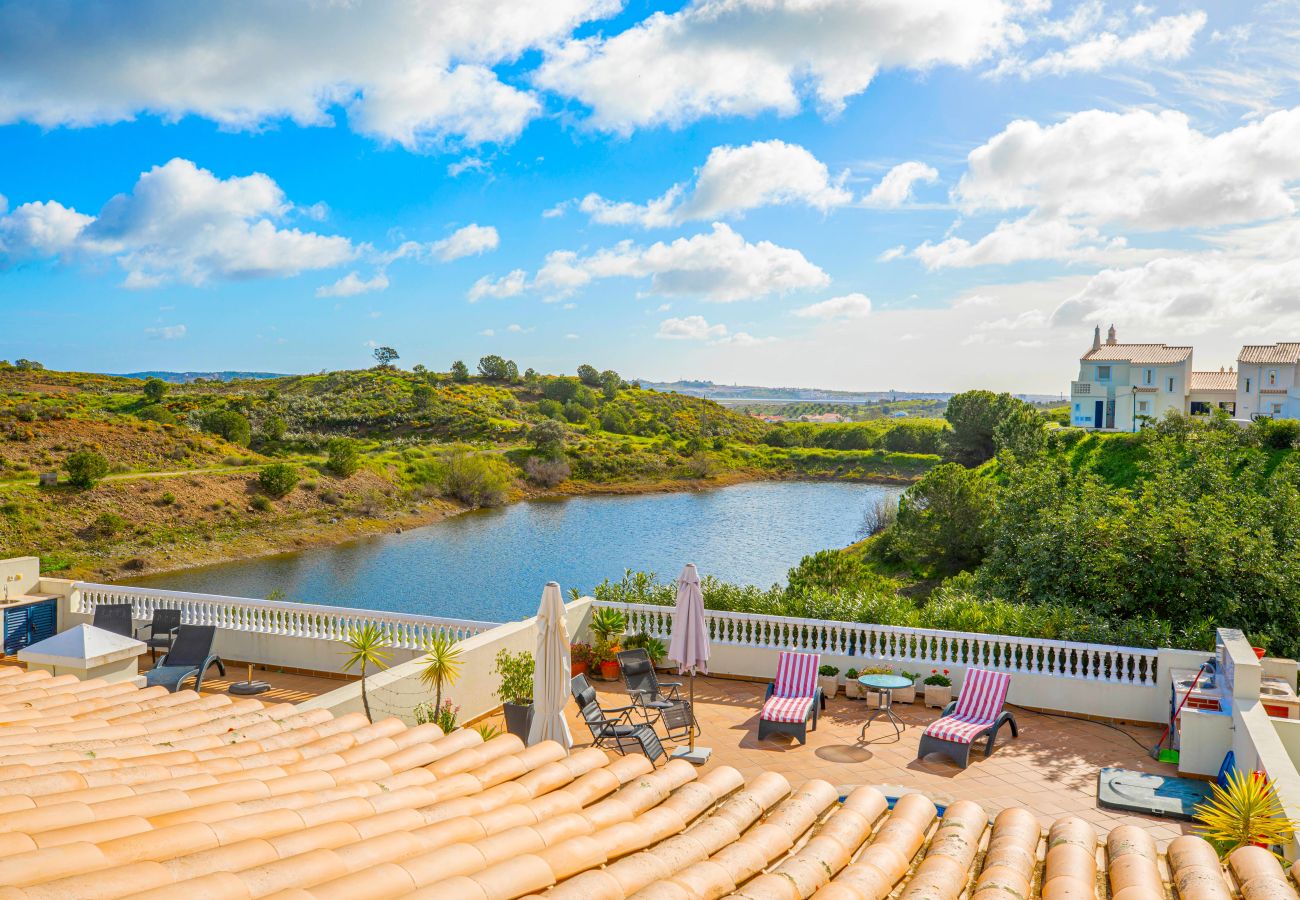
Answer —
(918, 646)
(331, 623)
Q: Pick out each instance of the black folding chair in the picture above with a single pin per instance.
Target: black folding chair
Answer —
(114, 617)
(162, 631)
(190, 656)
(614, 729)
(656, 700)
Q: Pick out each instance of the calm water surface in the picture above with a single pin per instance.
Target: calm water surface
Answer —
(492, 564)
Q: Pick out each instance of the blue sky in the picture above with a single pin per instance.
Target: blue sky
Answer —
(930, 194)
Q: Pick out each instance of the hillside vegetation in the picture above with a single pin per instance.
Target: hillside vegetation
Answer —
(156, 475)
(1149, 539)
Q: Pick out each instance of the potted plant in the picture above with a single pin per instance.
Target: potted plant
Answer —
(656, 649)
(852, 689)
(579, 658)
(829, 680)
(1245, 813)
(907, 694)
(607, 626)
(516, 690)
(938, 688)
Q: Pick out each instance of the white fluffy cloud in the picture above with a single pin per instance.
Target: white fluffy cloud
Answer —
(468, 241)
(1166, 39)
(352, 284)
(1029, 238)
(895, 188)
(732, 181)
(510, 285)
(179, 223)
(716, 265)
(167, 332)
(743, 57)
(689, 328)
(849, 306)
(414, 73)
(1142, 169)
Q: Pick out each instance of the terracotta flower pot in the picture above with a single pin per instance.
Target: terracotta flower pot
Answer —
(609, 670)
(577, 668)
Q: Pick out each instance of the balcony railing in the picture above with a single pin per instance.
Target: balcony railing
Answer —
(276, 617)
(917, 646)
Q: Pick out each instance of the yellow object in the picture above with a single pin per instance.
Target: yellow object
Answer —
(1247, 812)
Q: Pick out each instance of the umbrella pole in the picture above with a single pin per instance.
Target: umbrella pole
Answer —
(692, 710)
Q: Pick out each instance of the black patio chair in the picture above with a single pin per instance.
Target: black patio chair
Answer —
(162, 631)
(114, 617)
(613, 729)
(190, 656)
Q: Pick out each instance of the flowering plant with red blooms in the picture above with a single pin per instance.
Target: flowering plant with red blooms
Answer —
(939, 680)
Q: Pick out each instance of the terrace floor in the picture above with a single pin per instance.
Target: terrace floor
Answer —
(1050, 769)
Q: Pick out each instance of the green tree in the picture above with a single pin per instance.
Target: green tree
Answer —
(277, 480)
(548, 437)
(385, 357)
(561, 389)
(156, 412)
(442, 664)
(155, 389)
(228, 424)
(610, 383)
(85, 468)
(273, 429)
(943, 520)
(984, 423)
(422, 396)
(28, 365)
(459, 371)
(343, 457)
(494, 368)
(366, 648)
(589, 375)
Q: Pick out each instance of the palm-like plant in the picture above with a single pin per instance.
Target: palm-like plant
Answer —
(365, 648)
(1247, 812)
(441, 665)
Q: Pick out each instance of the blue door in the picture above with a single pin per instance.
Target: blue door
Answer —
(1098, 413)
(27, 625)
(17, 622)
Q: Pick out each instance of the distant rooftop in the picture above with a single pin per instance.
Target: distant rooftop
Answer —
(1270, 354)
(1139, 354)
(1223, 380)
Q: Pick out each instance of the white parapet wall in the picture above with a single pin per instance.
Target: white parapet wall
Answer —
(291, 636)
(1120, 683)
(398, 690)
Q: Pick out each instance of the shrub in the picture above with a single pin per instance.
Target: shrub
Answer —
(546, 472)
(475, 480)
(229, 424)
(1278, 434)
(516, 671)
(273, 429)
(167, 499)
(156, 412)
(344, 457)
(106, 525)
(261, 504)
(25, 412)
(85, 468)
(702, 465)
(155, 389)
(547, 437)
(278, 480)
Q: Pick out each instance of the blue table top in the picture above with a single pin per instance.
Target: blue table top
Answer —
(885, 682)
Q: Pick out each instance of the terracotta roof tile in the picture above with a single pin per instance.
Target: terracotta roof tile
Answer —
(1265, 354)
(1139, 354)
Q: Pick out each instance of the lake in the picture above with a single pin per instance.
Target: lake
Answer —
(492, 564)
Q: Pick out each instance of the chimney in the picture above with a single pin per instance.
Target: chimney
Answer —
(1096, 338)
(1110, 336)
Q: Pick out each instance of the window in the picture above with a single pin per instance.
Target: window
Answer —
(1149, 376)
(1272, 377)
(1078, 407)
(1277, 409)
(1247, 385)
(1103, 373)
(1171, 385)
(1144, 406)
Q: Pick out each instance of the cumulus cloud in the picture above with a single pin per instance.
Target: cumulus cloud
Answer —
(179, 223)
(471, 240)
(744, 57)
(732, 181)
(506, 286)
(1166, 39)
(1019, 240)
(414, 73)
(689, 328)
(895, 188)
(716, 265)
(849, 306)
(1142, 169)
(352, 284)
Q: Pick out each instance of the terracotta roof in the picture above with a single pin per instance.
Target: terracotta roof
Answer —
(111, 791)
(1140, 354)
(1214, 381)
(1264, 354)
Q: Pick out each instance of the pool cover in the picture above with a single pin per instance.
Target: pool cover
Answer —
(1154, 795)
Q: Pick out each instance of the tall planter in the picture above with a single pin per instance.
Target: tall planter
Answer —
(519, 719)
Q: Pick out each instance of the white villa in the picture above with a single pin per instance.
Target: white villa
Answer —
(1122, 385)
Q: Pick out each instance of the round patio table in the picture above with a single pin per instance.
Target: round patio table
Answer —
(884, 685)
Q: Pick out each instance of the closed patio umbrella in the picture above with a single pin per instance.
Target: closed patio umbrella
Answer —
(689, 648)
(551, 672)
